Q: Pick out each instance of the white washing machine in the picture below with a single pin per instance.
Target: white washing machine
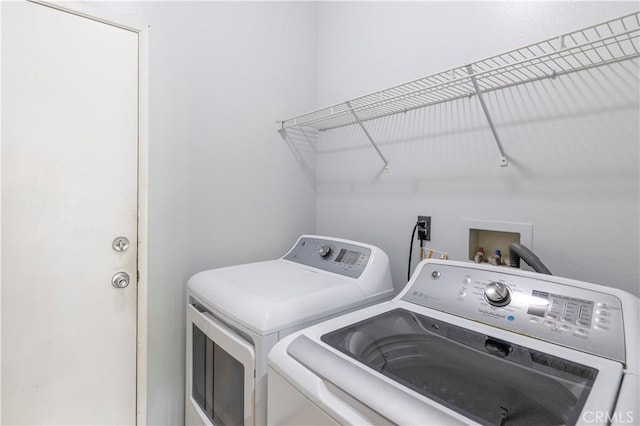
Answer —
(466, 344)
(235, 315)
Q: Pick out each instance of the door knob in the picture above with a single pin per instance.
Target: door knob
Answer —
(120, 280)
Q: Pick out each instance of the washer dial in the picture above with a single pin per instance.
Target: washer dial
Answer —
(497, 294)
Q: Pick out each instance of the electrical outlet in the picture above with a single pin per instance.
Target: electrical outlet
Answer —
(427, 228)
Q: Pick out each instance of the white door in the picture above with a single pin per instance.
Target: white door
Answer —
(69, 188)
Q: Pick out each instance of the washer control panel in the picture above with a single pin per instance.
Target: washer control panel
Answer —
(330, 255)
(587, 320)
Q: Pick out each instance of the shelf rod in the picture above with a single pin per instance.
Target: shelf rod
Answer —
(364, 129)
(503, 157)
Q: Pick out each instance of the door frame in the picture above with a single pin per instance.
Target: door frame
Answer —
(94, 12)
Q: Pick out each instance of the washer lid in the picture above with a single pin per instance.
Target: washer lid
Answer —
(414, 369)
(274, 295)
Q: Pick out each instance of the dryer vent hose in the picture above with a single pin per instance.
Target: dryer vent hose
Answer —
(517, 251)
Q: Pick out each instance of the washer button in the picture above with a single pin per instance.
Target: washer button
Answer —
(581, 333)
(435, 275)
(550, 323)
(602, 327)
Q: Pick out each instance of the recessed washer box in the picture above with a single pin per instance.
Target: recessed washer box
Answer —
(492, 235)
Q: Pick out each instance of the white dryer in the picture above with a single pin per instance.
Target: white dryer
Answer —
(466, 344)
(235, 315)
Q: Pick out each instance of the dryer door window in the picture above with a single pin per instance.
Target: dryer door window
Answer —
(221, 371)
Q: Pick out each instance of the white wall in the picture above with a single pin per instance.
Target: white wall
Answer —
(572, 142)
(224, 187)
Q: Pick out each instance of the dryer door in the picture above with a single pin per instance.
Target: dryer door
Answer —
(220, 372)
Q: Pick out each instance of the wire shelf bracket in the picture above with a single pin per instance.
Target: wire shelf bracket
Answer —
(503, 157)
(606, 43)
(364, 130)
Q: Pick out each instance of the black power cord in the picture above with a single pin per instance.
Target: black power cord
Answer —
(421, 237)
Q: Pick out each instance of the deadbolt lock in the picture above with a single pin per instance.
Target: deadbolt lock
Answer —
(120, 244)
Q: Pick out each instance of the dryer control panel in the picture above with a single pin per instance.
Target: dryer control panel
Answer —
(330, 255)
(545, 308)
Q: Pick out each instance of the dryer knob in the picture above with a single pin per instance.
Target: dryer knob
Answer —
(324, 250)
(497, 294)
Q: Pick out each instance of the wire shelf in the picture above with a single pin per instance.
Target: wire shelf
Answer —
(601, 44)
